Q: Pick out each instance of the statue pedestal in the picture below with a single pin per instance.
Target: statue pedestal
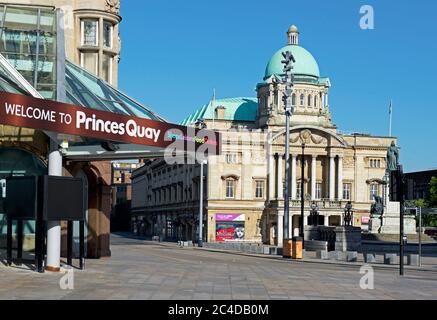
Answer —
(390, 223)
(312, 233)
(375, 224)
(347, 239)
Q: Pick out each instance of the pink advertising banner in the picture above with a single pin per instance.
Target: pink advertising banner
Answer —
(230, 217)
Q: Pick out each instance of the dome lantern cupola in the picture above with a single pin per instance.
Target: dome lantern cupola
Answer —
(305, 67)
(293, 35)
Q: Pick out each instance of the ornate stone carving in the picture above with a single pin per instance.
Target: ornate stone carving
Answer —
(348, 162)
(113, 6)
(316, 140)
(306, 136)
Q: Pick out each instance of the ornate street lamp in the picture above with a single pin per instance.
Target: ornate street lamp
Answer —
(348, 215)
(314, 214)
(302, 195)
(288, 79)
(200, 235)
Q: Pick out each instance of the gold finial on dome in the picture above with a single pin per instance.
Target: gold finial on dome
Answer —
(293, 35)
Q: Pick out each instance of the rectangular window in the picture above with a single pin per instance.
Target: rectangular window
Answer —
(375, 163)
(319, 191)
(90, 33)
(107, 68)
(373, 191)
(90, 61)
(230, 189)
(108, 31)
(231, 158)
(347, 189)
(259, 190)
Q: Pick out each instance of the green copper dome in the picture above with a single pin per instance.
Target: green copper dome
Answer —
(305, 64)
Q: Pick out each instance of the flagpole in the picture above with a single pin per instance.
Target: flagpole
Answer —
(213, 110)
(391, 117)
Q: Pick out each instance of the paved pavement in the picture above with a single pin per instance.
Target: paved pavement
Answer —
(145, 270)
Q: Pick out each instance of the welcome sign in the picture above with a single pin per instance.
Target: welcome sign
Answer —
(28, 112)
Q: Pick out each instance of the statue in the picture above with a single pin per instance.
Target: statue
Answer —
(393, 157)
(377, 209)
(348, 215)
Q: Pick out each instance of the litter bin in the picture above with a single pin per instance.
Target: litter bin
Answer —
(297, 248)
(287, 248)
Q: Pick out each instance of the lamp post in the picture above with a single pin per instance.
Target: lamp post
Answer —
(288, 79)
(397, 194)
(348, 213)
(302, 198)
(314, 214)
(200, 243)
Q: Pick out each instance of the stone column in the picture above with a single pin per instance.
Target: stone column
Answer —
(331, 177)
(271, 177)
(280, 231)
(340, 178)
(293, 177)
(280, 179)
(313, 177)
(54, 227)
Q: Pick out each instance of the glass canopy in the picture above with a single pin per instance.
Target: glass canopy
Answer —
(9, 84)
(28, 60)
(87, 90)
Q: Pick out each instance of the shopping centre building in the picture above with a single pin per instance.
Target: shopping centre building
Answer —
(67, 51)
(244, 187)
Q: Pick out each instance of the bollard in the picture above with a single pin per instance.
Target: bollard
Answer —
(390, 258)
(413, 260)
(322, 254)
(332, 255)
(352, 256)
(297, 251)
(340, 255)
(369, 258)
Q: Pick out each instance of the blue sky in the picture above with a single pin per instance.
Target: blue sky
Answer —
(175, 52)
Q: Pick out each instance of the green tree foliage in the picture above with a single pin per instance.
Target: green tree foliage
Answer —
(420, 203)
(432, 201)
(430, 220)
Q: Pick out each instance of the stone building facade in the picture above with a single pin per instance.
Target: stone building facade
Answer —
(244, 186)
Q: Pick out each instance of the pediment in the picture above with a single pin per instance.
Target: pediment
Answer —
(311, 136)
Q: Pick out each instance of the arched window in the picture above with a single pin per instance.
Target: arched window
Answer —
(310, 100)
(315, 101)
(302, 100)
(293, 99)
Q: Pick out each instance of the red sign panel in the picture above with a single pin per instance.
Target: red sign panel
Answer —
(28, 112)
